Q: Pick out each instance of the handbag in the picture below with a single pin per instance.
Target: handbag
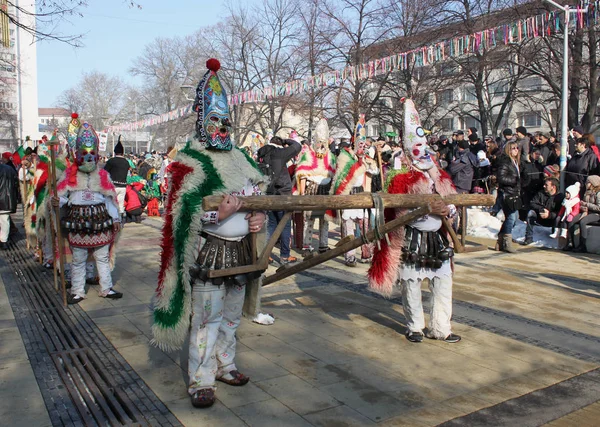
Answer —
(513, 203)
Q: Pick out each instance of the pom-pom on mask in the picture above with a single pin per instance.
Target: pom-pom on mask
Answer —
(86, 145)
(213, 127)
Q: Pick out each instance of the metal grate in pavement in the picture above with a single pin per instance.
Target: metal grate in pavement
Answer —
(82, 378)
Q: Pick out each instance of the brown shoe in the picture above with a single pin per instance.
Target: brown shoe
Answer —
(238, 380)
(203, 398)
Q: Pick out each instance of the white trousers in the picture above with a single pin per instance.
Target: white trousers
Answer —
(309, 225)
(121, 198)
(78, 269)
(216, 315)
(4, 226)
(441, 306)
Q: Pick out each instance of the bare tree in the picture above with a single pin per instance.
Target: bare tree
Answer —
(98, 96)
(44, 23)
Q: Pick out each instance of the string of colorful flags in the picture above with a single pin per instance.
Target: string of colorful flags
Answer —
(543, 25)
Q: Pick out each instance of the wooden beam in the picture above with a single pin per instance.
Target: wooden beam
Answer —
(355, 201)
(289, 270)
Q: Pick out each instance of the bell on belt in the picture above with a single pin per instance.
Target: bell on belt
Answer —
(413, 257)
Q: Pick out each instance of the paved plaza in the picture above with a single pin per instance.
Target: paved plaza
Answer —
(337, 356)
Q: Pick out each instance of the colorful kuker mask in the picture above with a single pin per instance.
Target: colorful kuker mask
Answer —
(213, 127)
(86, 148)
(414, 141)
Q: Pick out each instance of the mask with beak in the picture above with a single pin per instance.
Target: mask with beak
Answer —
(415, 143)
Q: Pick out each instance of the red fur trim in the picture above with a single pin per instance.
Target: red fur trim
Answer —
(178, 172)
(41, 183)
(69, 179)
(348, 178)
(307, 167)
(105, 182)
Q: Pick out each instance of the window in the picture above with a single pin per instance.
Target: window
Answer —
(531, 84)
(469, 94)
(445, 97)
(498, 88)
(447, 124)
(532, 119)
(470, 122)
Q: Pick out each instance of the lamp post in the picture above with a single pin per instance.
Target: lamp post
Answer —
(564, 144)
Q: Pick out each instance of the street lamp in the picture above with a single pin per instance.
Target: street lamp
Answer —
(565, 89)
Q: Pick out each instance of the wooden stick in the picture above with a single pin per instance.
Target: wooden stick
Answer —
(345, 247)
(60, 241)
(458, 246)
(355, 201)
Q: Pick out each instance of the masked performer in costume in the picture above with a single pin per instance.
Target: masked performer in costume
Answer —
(420, 250)
(195, 241)
(314, 172)
(93, 220)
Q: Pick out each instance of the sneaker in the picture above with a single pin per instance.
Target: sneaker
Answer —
(554, 235)
(3, 245)
(527, 241)
(324, 249)
(414, 336)
(48, 265)
(350, 262)
(366, 260)
(73, 299)
(112, 294)
(288, 260)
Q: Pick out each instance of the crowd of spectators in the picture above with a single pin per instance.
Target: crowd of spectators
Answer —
(523, 170)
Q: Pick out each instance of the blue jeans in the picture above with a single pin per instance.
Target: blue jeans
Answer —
(509, 221)
(284, 239)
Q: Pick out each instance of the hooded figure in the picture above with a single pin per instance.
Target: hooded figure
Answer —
(421, 249)
(195, 242)
(92, 222)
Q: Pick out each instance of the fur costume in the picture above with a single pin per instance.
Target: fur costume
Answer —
(196, 173)
(348, 168)
(98, 180)
(387, 262)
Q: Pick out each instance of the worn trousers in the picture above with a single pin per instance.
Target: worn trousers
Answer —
(216, 315)
(441, 306)
(4, 227)
(348, 228)
(309, 225)
(78, 269)
(121, 198)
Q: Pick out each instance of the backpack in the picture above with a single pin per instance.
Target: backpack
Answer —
(264, 165)
(143, 198)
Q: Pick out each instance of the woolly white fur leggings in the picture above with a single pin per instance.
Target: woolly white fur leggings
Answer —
(216, 315)
(78, 269)
(441, 306)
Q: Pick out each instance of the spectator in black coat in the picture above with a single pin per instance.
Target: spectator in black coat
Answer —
(509, 179)
(9, 194)
(475, 145)
(462, 168)
(554, 156)
(532, 180)
(544, 147)
(543, 208)
(583, 163)
(444, 150)
(277, 153)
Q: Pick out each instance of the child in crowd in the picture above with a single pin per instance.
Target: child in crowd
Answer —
(568, 211)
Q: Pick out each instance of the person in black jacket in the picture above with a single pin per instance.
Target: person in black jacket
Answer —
(118, 168)
(462, 168)
(509, 177)
(532, 180)
(276, 154)
(9, 194)
(582, 164)
(544, 208)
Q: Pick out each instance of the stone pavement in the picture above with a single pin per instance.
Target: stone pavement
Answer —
(336, 355)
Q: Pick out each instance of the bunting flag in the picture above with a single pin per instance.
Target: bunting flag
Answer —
(545, 25)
